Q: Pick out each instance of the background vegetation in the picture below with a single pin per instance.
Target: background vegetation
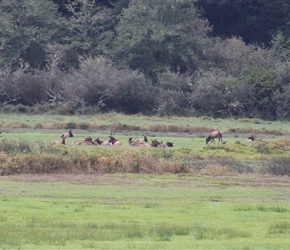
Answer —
(186, 57)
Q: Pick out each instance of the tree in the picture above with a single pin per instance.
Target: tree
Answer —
(281, 43)
(153, 36)
(87, 23)
(252, 70)
(27, 26)
(253, 20)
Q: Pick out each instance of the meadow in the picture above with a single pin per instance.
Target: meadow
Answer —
(123, 211)
(191, 196)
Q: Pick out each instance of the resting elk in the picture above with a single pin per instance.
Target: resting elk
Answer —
(113, 140)
(87, 141)
(251, 138)
(215, 134)
(156, 143)
(103, 143)
(58, 142)
(165, 144)
(142, 140)
(67, 134)
(137, 144)
(169, 144)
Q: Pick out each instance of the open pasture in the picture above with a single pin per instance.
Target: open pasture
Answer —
(125, 211)
(188, 125)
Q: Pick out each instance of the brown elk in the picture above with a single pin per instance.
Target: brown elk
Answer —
(133, 143)
(103, 143)
(86, 141)
(113, 140)
(137, 144)
(142, 140)
(155, 143)
(161, 144)
(169, 144)
(67, 134)
(165, 144)
(58, 142)
(251, 138)
(214, 134)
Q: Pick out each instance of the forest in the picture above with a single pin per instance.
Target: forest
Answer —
(227, 58)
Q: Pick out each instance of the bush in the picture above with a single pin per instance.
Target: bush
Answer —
(70, 125)
(84, 125)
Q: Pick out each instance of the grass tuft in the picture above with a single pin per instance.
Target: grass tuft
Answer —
(280, 228)
(209, 233)
(161, 232)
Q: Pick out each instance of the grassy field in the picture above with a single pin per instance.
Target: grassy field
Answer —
(144, 212)
(231, 196)
(125, 123)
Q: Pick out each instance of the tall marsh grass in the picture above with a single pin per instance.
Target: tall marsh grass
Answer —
(209, 233)
(282, 227)
(24, 156)
(262, 208)
(54, 233)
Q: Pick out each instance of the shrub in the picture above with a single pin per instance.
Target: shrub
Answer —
(84, 125)
(71, 125)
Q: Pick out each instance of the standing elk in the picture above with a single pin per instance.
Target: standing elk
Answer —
(67, 134)
(214, 134)
(58, 142)
(87, 141)
(103, 143)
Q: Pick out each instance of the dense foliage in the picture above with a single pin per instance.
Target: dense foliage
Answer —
(174, 57)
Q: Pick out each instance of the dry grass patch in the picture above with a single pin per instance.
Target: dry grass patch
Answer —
(216, 170)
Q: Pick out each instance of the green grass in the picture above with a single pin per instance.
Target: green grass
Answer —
(188, 125)
(206, 204)
(188, 134)
(143, 211)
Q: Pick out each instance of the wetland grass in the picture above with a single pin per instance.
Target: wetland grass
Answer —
(139, 211)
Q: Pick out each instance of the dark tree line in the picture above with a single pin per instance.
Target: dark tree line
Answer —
(187, 57)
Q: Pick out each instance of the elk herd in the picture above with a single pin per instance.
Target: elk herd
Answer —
(141, 142)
